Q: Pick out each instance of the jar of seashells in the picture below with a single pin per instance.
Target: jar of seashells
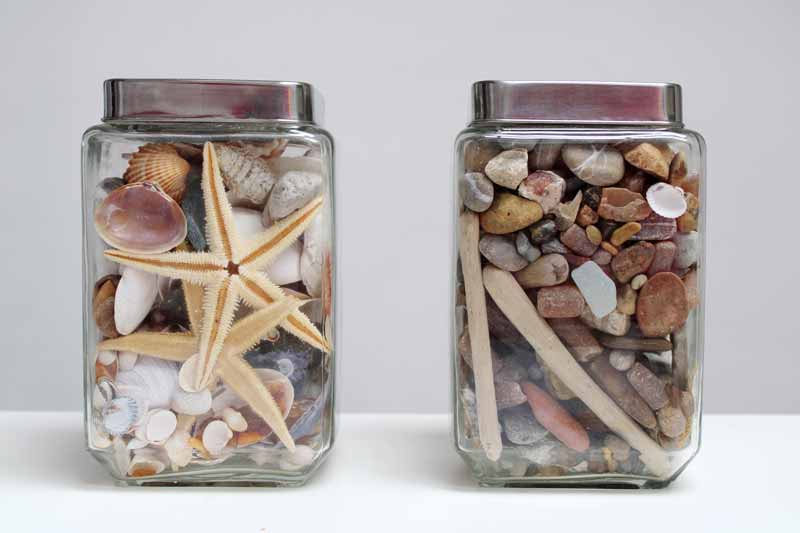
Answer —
(209, 283)
(578, 285)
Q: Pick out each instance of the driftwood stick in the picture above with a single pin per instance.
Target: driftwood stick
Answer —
(512, 300)
(478, 325)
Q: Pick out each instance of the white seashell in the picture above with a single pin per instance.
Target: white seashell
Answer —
(136, 444)
(185, 422)
(152, 381)
(302, 456)
(121, 455)
(146, 462)
(292, 191)
(136, 292)
(106, 357)
(157, 427)
(102, 394)
(234, 419)
(312, 258)
(120, 414)
(99, 438)
(127, 360)
(285, 268)
(178, 449)
(191, 403)
(187, 373)
(216, 436)
(666, 200)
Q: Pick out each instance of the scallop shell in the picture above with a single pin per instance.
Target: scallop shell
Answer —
(120, 414)
(667, 200)
(158, 426)
(140, 218)
(216, 436)
(160, 164)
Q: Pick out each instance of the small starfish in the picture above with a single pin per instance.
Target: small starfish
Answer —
(231, 271)
(231, 367)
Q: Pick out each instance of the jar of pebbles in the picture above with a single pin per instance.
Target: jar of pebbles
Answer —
(209, 283)
(578, 285)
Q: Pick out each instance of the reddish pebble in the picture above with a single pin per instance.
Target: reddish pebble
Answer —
(576, 240)
(692, 294)
(623, 205)
(656, 228)
(574, 261)
(634, 180)
(662, 260)
(632, 260)
(586, 216)
(662, 305)
(602, 257)
(562, 301)
(544, 187)
(577, 337)
(555, 418)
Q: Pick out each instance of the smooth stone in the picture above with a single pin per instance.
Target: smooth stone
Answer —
(195, 210)
(543, 231)
(637, 281)
(655, 228)
(509, 213)
(521, 427)
(574, 261)
(577, 337)
(622, 392)
(575, 239)
(535, 372)
(688, 249)
(592, 197)
(292, 191)
(602, 257)
(478, 152)
(594, 235)
(566, 213)
(677, 168)
(586, 216)
(648, 385)
(501, 251)
(622, 360)
(554, 246)
(671, 421)
(556, 387)
(626, 299)
(662, 305)
(652, 159)
(623, 205)
(512, 370)
(639, 344)
(663, 258)
(562, 301)
(597, 288)
(625, 232)
(527, 250)
(508, 394)
(548, 270)
(634, 180)
(620, 449)
(544, 155)
(476, 190)
(615, 323)
(136, 292)
(692, 289)
(633, 260)
(508, 168)
(312, 257)
(285, 269)
(598, 165)
(556, 419)
(545, 187)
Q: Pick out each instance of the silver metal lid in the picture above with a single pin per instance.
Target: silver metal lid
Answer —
(207, 100)
(558, 102)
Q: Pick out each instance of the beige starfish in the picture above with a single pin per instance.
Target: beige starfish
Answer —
(231, 271)
(231, 367)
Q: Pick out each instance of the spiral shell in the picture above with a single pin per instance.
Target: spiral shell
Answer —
(160, 164)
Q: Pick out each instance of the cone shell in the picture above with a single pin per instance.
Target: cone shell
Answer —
(160, 164)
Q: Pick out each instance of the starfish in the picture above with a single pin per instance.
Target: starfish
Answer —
(231, 271)
(231, 366)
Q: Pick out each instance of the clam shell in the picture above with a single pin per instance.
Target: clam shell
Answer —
(146, 462)
(234, 419)
(160, 164)
(152, 382)
(158, 426)
(191, 403)
(666, 200)
(216, 436)
(178, 448)
(140, 218)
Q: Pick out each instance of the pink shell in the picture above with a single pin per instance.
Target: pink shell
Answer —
(666, 200)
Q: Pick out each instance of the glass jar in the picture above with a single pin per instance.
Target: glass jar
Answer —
(578, 287)
(209, 283)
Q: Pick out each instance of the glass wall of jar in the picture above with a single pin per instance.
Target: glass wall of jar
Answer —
(578, 285)
(209, 283)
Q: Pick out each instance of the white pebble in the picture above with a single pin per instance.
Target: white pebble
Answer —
(597, 288)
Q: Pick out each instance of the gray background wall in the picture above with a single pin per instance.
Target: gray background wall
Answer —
(395, 78)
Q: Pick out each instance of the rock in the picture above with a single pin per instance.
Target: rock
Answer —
(476, 191)
(562, 301)
(634, 180)
(680, 358)
(623, 205)
(544, 187)
(596, 287)
(509, 213)
(512, 370)
(478, 152)
(285, 269)
(464, 349)
(535, 372)
(687, 222)
(626, 300)
(677, 168)
(621, 391)
(586, 216)
(135, 295)
(589, 420)
(622, 360)
(556, 387)
(555, 418)
(617, 342)
(567, 212)
(544, 155)
(575, 239)
(602, 257)
(527, 250)
(592, 196)
(598, 165)
(521, 427)
(663, 258)
(692, 290)
(610, 248)
(594, 235)
(508, 394)
(632, 261)
(574, 261)
(615, 323)
(671, 421)
(620, 449)
(648, 385)
(652, 159)
(500, 251)
(508, 168)
(577, 337)
(554, 246)
(292, 191)
(548, 270)
(195, 210)
(655, 228)
(662, 305)
(313, 256)
(688, 249)
(543, 231)
(500, 327)
(637, 281)
(625, 232)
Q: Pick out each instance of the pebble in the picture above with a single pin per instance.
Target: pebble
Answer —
(555, 418)
(136, 292)
(576, 239)
(554, 246)
(617, 342)
(512, 370)
(677, 168)
(615, 323)
(567, 212)
(501, 251)
(653, 159)
(622, 392)
(626, 300)
(592, 196)
(478, 152)
(594, 235)
(521, 427)
(634, 180)
(648, 385)
(598, 165)
(662, 305)
(535, 372)
(509, 213)
(574, 261)
(577, 337)
(632, 261)
(544, 155)
(655, 228)
(524, 248)
(508, 168)
(562, 301)
(622, 360)
(602, 257)
(476, 190)
(556, 387)
(543, 231)
(663, 258)
(586, 216)
(620, 449)
(637, 281)
(292, 191)
(680, 357)
(692, 294)
(545, 187)
(687, 222)
(625, 232)
(194, 208)
(623, 205)
(508, 394)
(597, 288)
(610, 248)
(671, 421)
(688, 249)
(548, 270)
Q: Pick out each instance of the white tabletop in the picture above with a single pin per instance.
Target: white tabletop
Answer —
(389, 472)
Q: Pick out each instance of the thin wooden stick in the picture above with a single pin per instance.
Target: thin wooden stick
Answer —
(478, 324)
(516, 305)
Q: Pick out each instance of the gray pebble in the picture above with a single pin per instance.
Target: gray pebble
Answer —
(521, 427)
(526, 249)
(476, 190)
(501, 252)
(292, 191)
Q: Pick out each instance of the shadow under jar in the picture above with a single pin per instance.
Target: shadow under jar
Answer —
(208, 281)
(578, 287)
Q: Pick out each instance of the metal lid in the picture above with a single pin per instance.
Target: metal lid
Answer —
(558, 102)
(207, 100)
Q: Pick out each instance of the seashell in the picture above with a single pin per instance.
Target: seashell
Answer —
(106, 357)
(187, 373)
(302, 456)
(312, 258)
(136, 293)
(127, 360)
(278, 385)
(157, 427)
(307, 421)
(102, 394)
(146, 462)
(282, 165)
(140, 218)
(103, 372)
(292, 191)
(137, 444)
(216, 436)
(160, 164)
(234, 419)
(106, 187)
(120, 414)
(246, 174)
(285, 269)
(667, 200)
(191, 403)
(152, 382)
(121, 456)
(99, 438)
(178, 449)
(103, 305)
